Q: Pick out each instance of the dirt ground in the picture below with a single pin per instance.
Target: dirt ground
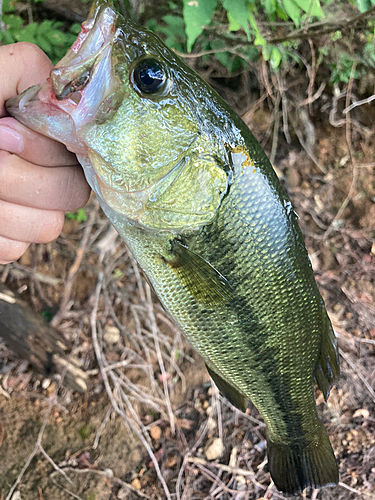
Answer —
(151, 414)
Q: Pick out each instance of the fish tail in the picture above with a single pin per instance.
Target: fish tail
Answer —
(296, 466)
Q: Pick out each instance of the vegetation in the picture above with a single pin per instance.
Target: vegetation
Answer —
(47, 34)
(234, 32)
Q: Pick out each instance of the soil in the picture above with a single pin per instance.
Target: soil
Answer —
(68, 439)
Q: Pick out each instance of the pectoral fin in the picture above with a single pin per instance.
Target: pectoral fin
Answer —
(204, 282)
(231, 393)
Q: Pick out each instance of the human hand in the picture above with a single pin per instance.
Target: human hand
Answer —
(39, 178)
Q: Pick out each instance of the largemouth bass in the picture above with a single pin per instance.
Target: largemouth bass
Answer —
(190, 190)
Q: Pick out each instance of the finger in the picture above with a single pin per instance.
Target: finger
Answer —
(31, 225)
(18, 139)
(23, 183)
(11, 250)
(22, 65)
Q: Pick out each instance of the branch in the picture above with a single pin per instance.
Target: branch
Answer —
(306, 35)
(33, 339)
(296, 35)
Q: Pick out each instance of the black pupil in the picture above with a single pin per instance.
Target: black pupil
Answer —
(149, 76)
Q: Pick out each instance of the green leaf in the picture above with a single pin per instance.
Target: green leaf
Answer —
(236, 63)
(305, 5)
(14, 22)
(280, 13)
(56, 37)
(363, 5)
(175, 26)
(173, 21)
(80, 215)
(197, 14)
(275, 58)
(8, 37)
(233, 24)
(44, 27)
(237, 12)
(75, 28)
(43, 43)
(270, 6)
(293, 11)
(27, 34)
(9, 5)
(259, 40)
(251, 53)
(223, 58)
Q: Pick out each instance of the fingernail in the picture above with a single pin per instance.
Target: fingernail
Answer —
(10, 140)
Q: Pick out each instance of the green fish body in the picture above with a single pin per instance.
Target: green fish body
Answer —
(190, 190)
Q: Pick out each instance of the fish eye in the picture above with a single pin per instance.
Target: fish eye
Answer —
(149, 76)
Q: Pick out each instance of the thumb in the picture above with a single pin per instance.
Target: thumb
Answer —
(22, 65)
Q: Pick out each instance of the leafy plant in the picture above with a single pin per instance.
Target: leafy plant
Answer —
(48, 35)
(80, 215)
(236, 32)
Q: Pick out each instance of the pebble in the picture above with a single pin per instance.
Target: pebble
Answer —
(214, 449)
(155, 433)
(111, 334)
(171, 460)
(46, 383)
(123, 494)
(362, 412)
(136, 483)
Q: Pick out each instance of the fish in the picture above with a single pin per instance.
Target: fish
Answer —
(190, 190)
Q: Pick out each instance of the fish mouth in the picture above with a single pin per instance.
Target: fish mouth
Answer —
(77, 68)
(61, 106)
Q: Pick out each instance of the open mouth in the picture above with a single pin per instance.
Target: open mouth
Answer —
(71, 96)
(75, 71)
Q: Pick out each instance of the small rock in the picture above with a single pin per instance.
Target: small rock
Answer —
(211, 424)
(108, 473)
(171, 460)
(155, 433)
(16, 496)
(362, 412)
(123, 494)
(214, 449)
(51, 388)
(136, 483)
(46, 383)
(241, 483)
(111, 334)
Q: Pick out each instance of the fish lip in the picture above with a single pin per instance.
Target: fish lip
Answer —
(17, 105)
(98, 32)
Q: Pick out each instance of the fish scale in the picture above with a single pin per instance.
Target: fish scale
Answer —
(189, 189)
